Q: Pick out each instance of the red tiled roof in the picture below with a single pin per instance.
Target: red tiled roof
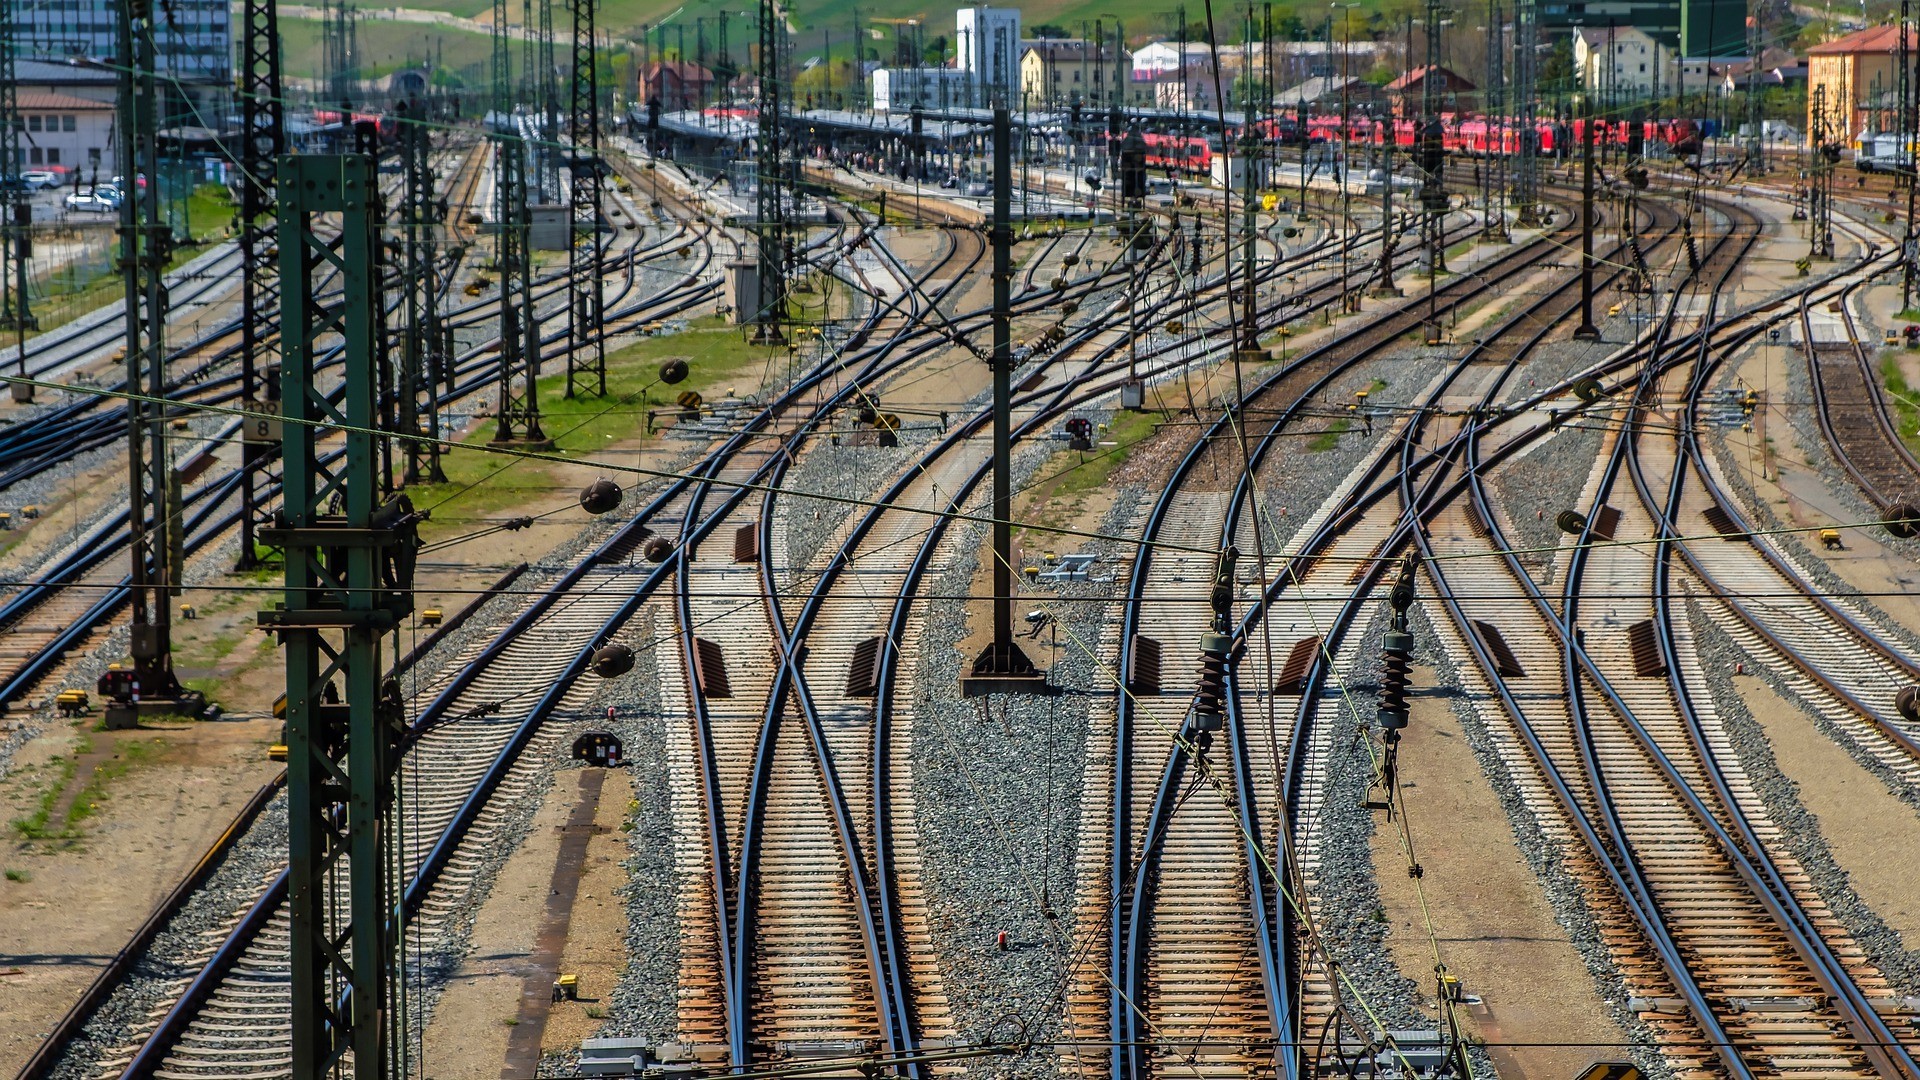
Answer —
(40, 102)
(1874, 39)
(1413, 77)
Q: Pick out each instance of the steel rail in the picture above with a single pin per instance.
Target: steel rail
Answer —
(1133, 884)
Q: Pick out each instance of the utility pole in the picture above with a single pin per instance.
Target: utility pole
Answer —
(1386, 287)
(1432, 161)
(262, 141)
(1493, 191)
(1526, 90)
(771, 217)
(1906, 157)
(1586, 331)
(1820, 180)
(547, 156)
(424, 358)
(518, 416)
(587, 356)
(1002, 667)
(16, 311)
(1249, 350)
(1756, 144)
(349, 583)
(153, 490)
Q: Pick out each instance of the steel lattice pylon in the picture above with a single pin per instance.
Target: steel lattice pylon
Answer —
(153, 487)
(518, 417)
(1526, 89)
(262, 142)
(519, 412)
(771, 208)
(422, 347)
(1493, 190)
(587, 352)
(1821, 155)
(349, 583)
(1756, 144)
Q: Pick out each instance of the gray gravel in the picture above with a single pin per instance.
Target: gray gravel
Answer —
(1534, 489)
(645, 1003)
(998, 790)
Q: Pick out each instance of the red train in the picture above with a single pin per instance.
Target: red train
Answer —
(384, 125)
(1179, 153)
(1480, 136)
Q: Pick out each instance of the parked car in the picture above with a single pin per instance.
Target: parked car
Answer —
(89, 202)
(41, 179)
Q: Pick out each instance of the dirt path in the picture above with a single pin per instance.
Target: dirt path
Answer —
(1493, 921)
(61, 916)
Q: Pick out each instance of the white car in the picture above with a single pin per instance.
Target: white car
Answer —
(40, 179)
(89, 202)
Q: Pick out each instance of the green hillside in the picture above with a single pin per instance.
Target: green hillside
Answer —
(678, 26)
(387, 46)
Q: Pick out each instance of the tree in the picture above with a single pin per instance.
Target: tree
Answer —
(825, 84)
(936, 53)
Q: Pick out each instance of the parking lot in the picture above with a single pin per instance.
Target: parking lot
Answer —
(49, 206)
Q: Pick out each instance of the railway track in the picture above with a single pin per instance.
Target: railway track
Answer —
(461, 699)
(1166, 989)
(48, 620)
(805, 931)
(1750, 970)
(1853, 412)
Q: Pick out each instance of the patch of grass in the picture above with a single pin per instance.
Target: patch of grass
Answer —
(132, 753)
(1329, 438)
(480, 483)
(35, 825)
(1059, 493)
(596, 1012)
(1124, 431)
(1906, 412)
(209, 211)
(1909, 315)
(19, 876)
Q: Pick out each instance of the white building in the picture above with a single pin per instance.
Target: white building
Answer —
(65, 132)
(987, 44)
(1163, 58)
(900, 89)
(1621, 63)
